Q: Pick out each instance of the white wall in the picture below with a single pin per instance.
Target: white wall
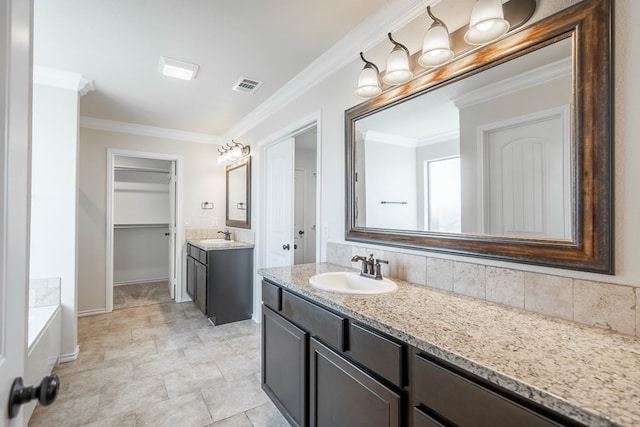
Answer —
(390, 176)
(333, 96)
(204, 180)
(54, 199)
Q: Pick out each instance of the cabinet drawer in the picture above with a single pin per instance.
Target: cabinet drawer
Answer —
(420, 419)
(379, 354)
(320, 322)
(272, 295)
(464, 402)
(197, 253)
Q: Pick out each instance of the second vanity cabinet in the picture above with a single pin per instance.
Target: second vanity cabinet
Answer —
(324, 369)
(317, 376)
(220, 282)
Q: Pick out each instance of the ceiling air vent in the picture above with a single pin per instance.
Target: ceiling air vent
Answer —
(246, 85)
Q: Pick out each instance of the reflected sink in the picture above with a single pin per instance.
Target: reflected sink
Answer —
(215, 241)
(351, 283)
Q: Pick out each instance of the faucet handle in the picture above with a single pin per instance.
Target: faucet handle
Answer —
(378, 268)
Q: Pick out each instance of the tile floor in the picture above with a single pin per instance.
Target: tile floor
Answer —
(162, 365)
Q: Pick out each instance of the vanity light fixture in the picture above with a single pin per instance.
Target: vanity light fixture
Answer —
(177, 69)
(436, 49)
(368, 82)
(398, 71)
(486, 23)
(229, 153)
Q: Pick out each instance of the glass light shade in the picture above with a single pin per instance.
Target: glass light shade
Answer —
(235, 153)
(221, 159)
(398, 71)
(487, 22)
(368, 83)
(436, 49)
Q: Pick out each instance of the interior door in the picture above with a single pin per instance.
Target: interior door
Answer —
(299, 217)
(279, 203)
(529, 193)
(173, 268)
(15, 123)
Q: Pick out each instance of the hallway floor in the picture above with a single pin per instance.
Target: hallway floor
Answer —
(162, 365)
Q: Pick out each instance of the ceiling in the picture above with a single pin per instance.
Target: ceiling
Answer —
(118, 44)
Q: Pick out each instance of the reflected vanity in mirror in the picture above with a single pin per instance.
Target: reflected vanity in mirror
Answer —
(503, 153)
(239, 194)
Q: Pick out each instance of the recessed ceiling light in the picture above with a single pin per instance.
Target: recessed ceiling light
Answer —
(178, 69)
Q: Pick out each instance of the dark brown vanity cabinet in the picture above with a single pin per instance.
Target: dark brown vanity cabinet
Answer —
(446, 396)
(220, 282)
(324, 369)
(197, 277)
(311, 374)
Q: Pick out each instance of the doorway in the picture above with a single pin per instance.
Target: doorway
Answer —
(290, 200)
(143, 254)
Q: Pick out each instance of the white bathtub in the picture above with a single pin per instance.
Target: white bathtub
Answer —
(45, 328)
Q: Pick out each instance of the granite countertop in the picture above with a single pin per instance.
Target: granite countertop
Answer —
(219, 246)
(588, 374)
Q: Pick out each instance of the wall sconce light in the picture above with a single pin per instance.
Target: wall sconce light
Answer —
(436, 49)
(398, 71)
(229, 153)
(368, 82)
(486, 23)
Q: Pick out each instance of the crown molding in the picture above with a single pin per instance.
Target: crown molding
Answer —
(53, 77)
(543, 74)
(386, 138)
(157, 132)
(438, 138)
(390, 17)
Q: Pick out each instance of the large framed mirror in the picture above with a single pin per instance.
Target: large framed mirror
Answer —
(239, 194)
(503, 153)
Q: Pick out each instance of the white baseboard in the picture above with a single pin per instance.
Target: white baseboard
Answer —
(64, 358)
(135, 282)
(92, 312)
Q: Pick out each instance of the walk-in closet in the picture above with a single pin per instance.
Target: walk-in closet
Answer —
(142, 205)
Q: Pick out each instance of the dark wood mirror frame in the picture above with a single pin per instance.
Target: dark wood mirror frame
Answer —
(244, 163)
(589, 24)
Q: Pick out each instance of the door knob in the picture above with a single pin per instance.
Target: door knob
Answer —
(295, 246)
(46, 393)
(301, 232)
(286, 247)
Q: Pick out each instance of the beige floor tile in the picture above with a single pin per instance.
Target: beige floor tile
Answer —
(177, 341)
(160, 363)
(239, 420)
(209, 350)
(229, 398)
(130, 396)
(71, 412)
(192, 377)
(266, 415)
(241, 365)
(123, 420)
(188, 410)
(135, 350)
(91, 381)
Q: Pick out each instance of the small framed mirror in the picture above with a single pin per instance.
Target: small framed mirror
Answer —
(239, 194)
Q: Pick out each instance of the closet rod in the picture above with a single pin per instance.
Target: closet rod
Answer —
(140, 225)
(140, 169)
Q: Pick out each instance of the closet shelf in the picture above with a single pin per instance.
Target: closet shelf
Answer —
(123, 226)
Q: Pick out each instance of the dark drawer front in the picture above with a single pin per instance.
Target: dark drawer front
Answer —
(272, 295)
(379, 354)
(197, 253)
(327, 326)
(464, 402)
(420, 419)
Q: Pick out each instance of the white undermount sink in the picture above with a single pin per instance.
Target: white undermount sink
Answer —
(215, 241)
(351, 283)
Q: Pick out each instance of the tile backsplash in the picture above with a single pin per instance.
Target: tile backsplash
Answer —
(238, 234)
(600, 304)
(44, 292)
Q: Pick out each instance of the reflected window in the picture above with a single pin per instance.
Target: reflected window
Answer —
(442, 198)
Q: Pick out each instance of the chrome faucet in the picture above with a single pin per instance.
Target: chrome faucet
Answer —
(227, 234)
(371, 267)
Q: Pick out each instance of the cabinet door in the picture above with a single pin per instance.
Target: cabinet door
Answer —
(284, 366)
(191, 278)
(343, 395)
(201, 286)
